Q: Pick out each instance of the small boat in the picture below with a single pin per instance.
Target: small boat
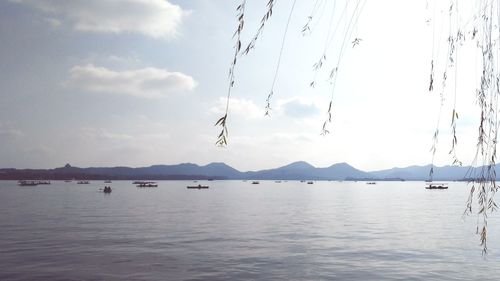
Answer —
(277, 181)
(27, 183)
(436, 186)
(107, 189)
(197, 186)
(310, 182)
(83, 182)
(43, 182)
(255, 182)
(371, 182)
(148, 184)
(107, 181)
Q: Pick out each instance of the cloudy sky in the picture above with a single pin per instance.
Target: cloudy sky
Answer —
(142, 82)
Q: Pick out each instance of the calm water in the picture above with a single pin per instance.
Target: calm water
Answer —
(239, 231)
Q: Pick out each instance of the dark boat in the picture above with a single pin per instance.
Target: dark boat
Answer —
(197, 186)
(310, 182)
(437, 186)
(255, 182)
(83, 182)
(107, 189)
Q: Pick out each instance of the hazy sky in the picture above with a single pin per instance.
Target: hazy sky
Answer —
(142, 82)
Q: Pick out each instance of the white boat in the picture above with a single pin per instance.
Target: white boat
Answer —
(27, 183)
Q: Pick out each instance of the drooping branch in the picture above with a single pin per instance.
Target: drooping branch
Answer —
(222, 122)
(271, 92)
(263, 21)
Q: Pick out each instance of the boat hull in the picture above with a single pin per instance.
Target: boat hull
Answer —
(197, 187)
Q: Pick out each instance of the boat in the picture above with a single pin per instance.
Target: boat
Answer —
(148, 184)
(107, 189)
(371, 182)
(107, 181)
(431, 185)
(27, 183)
(139, 182)
(277, 181)
(82, 182)
(310, 182)
(255, 182)
(197, 186)
(43, 182)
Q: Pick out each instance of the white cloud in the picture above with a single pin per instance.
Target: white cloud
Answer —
(53, 22)
(7, 131)
(103, 134)
(154, 18)
(298, 108)
(146, 82)
(144, 140)
(239, 107)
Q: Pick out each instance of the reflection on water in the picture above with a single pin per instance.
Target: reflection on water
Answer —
(237, 231)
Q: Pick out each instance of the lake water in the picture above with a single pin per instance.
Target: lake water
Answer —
(239, 231)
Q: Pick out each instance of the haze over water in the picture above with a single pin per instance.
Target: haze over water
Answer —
(239, 231)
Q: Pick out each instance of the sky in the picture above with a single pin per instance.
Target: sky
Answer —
(142, 82)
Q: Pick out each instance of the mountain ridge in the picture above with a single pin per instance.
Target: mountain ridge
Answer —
(299, 170)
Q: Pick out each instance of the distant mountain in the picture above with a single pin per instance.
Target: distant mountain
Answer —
(159, 172)
(408, 173)
(304, 171)
(219, 169)
(422, 173)
(342, 171)
(294, 171)
(188, 171)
